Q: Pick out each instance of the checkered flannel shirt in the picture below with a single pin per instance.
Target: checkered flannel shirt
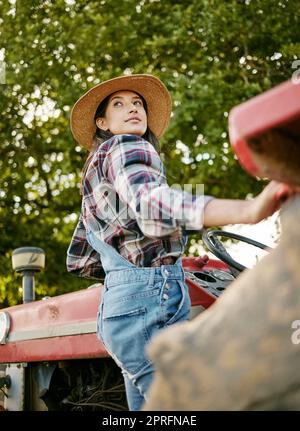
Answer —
(128, 204)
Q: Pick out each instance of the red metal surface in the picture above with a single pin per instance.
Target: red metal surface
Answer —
(73, 309)
(199, 295)
(189, 264)
(274, 107)
(53, 349)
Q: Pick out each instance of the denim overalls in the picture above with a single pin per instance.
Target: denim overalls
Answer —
(136, 304)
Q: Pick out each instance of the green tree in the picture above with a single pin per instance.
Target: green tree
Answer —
(211, 55)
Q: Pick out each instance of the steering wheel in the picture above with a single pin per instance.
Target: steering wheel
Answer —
(214, 245)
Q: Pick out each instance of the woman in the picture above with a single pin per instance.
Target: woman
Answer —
(130, 227)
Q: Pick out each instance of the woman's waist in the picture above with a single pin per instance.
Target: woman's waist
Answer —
(144, 276)
(130, 242)
(151, 252)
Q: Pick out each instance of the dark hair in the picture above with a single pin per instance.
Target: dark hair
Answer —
(101, 136)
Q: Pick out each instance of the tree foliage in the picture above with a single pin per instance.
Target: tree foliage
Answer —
(211, 55)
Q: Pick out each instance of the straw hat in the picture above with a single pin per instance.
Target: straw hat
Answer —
(151, 88)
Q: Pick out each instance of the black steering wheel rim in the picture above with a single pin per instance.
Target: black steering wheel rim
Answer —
(214, 245)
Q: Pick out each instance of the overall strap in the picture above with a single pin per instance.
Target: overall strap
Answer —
(111, 260)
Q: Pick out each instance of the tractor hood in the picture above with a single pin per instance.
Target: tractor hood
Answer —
(62, 327)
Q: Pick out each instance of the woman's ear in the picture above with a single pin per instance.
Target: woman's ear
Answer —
(101, 123)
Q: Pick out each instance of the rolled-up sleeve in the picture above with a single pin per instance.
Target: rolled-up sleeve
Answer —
(134, 168)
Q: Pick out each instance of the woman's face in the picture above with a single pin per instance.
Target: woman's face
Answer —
(125, 113)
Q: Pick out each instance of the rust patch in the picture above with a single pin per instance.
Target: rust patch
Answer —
(53, 311)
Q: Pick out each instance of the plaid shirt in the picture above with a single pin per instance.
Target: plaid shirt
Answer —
(128, 204)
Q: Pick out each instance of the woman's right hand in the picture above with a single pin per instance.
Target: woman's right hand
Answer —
(271, 199)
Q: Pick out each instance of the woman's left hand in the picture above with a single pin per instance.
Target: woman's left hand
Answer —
(177, 234)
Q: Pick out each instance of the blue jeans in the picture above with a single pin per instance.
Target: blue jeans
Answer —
(136, 304)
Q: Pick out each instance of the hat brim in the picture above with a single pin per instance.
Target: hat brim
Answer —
(149, 87)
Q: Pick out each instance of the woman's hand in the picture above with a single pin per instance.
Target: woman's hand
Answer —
(270, 200)
(177, 234)
(220, 212)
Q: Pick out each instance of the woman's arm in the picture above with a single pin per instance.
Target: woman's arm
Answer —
(135, 170)
(219, 212)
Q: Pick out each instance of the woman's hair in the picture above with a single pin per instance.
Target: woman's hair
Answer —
(101, 136)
